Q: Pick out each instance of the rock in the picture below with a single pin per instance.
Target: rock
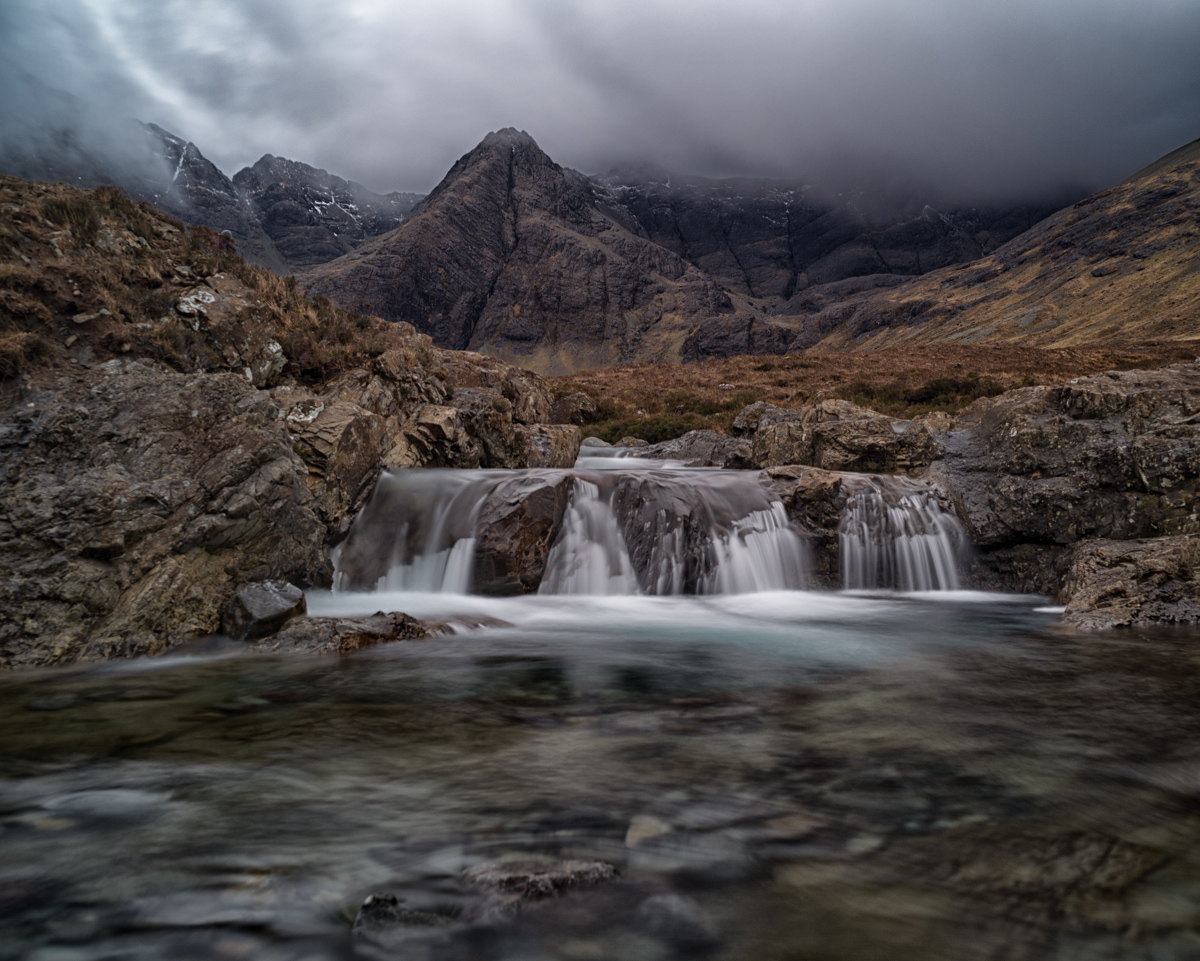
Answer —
(334, 635)
(746, 422)
(517, 526)
(814, 500)
(381, 916)
(257, 610)
(536, 880)
(702, 448)
(642, 827)
(631, 442)
(1114, 456)
(576, 409)
(837, 435)
(594, 442)
(134, 502)
(1133, 583)
(550, 445)
(343, 446)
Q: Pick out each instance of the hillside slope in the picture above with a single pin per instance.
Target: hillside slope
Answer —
(1120, 267)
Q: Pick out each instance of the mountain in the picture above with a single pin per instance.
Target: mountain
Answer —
(769, 239)
(283, 214)
(512, 254)
(1120, 266)
(310, 215)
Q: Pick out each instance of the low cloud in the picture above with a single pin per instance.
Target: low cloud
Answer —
(973, 101)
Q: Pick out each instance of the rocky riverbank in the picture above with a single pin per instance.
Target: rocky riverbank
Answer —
(176, 424)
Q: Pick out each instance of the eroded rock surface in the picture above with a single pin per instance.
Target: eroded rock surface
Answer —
(1133, 583)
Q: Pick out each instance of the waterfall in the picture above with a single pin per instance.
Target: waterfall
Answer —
(589, 556)
(639, 531)
(892, 538)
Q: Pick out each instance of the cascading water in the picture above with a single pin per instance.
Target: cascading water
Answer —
(589, 556)
(894, 537)
(641, 531)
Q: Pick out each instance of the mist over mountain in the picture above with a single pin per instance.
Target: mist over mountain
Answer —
(968, 104)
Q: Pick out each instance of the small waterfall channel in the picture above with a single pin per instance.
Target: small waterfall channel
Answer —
(894, 534)
(641, 529)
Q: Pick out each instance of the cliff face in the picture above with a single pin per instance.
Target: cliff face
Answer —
(511, 254)
(769, 240)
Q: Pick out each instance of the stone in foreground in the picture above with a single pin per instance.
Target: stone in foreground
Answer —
(259, 610)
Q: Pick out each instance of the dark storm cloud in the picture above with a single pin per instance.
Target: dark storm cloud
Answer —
(983, 99)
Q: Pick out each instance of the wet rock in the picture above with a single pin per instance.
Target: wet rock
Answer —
(1132, 583)
(258, 610)
(576, 409)
(703, 448)
(632, 442)
(334, 635)
(381, 917)
(536, 880)
(516, 528)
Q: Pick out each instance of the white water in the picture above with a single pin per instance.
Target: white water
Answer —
(589, 555)
(623, 532)
(891, 539)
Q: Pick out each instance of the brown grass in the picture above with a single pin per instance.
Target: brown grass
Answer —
(659, 401)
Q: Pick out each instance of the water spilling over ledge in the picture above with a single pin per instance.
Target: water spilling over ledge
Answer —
(642, 531)
(624, 526)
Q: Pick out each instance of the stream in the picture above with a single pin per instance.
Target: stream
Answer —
(775, 772)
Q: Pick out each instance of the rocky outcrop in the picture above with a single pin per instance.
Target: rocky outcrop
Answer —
(134, 503)
(1113, 456)
(1133, 583)
(836, 435)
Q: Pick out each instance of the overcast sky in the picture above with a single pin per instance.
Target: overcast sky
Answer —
(980, 97)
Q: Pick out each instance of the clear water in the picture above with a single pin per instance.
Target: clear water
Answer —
(838, 776)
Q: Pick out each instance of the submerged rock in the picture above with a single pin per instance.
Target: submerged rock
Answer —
(507, 885)
(258, 610)
(381, 918)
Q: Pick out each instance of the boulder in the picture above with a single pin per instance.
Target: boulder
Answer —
(550, 445)
(343, 445)
(509, 885)
(1133, 583)
(703, 448)
(517, 526)
(578, 409)
(258, 610)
